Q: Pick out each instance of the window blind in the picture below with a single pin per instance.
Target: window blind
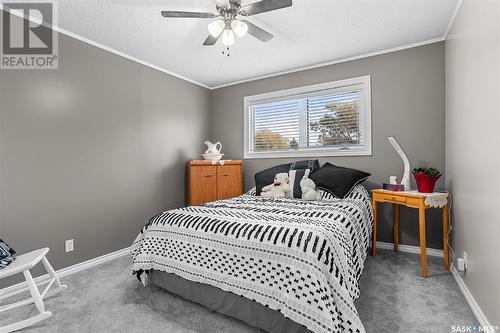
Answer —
(275, 125)
(333, 120)
(328, 119)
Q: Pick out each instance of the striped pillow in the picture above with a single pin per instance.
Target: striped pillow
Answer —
(294, 178)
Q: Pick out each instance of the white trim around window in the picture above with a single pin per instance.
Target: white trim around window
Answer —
(363, 146)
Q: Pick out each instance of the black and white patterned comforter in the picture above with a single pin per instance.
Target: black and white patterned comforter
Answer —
(302, 258)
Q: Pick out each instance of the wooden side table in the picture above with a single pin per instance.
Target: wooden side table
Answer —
(417, 200)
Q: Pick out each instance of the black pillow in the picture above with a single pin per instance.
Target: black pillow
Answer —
(339, 181)
(266, 177)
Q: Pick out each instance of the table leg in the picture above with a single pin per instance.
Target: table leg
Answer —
(395, 219)
(446, 249)
(374, 238)
(423, 254)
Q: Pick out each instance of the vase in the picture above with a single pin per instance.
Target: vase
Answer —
(426, 184)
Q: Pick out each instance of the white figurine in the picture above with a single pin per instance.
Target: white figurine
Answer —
(213, 153)
(406, 175)
(212, 148)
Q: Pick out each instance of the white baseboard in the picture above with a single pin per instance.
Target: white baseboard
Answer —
(20, 287)
(476, 309)
(410, 249)
(481, 317)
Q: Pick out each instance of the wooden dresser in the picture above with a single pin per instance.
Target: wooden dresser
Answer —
(207, 182)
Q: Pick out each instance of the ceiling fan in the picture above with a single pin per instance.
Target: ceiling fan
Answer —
(230, 22)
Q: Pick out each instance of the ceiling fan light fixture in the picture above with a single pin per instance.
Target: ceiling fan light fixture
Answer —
(239, 28)
(216, 27)
(225, 24)
(228, 37)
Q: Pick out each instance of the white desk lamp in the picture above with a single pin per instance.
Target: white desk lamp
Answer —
(405, 181)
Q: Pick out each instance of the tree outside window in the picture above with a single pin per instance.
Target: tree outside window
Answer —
(339, 125)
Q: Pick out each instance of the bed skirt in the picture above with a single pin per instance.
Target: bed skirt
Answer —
(227, 303)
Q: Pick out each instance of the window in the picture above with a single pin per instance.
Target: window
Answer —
(328, 119)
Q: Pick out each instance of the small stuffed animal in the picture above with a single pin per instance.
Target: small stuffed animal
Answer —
(308, 188)
(278, 188)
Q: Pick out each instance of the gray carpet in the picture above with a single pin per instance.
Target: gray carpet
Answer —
(394, 298)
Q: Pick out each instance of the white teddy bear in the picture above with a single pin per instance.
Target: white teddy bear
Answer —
(308, 188)
(278, 188)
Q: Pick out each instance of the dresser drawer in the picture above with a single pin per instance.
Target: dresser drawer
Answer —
(397, 199)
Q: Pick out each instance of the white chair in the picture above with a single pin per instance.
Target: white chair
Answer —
(24, 263)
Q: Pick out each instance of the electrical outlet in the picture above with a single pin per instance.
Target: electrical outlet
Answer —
(460, 264)
(465, 260)
(69, 245)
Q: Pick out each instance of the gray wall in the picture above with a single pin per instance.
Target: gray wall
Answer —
(91, 150)
(472, 141)
(407, 103)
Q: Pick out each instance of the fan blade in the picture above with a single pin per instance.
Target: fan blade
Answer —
(211, 40)
(264, 6)
(258, 33)
(222, 3)
(174, 13)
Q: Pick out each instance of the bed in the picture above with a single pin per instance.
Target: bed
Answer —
(283, 265)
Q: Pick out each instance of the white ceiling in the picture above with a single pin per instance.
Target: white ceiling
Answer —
(310, 32)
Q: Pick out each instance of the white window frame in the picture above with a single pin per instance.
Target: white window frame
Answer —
(365, 116)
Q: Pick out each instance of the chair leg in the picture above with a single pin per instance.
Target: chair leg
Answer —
(36, 297)
(35, 293)
(25, 323)
(51, 271)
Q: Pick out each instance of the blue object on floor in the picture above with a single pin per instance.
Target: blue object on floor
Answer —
(6, 253)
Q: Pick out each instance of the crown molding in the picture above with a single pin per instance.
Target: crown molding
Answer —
(452, 18)
(232, 83)
(73, 35)
(293, 70)
(333, 62)
(126, 56)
